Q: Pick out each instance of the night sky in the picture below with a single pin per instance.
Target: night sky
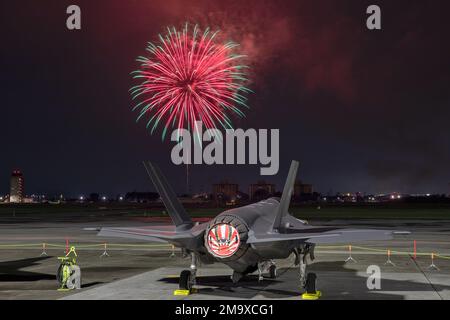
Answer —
(361, 110)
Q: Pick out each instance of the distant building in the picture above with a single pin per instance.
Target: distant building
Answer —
(225, 192)
(261, 190)
(302, 188)
(17, 187)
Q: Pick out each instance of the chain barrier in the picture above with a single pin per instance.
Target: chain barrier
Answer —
(45, 246)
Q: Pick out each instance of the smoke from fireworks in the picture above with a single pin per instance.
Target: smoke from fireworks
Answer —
(187, 77)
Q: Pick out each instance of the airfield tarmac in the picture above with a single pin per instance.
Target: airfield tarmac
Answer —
(137, 270)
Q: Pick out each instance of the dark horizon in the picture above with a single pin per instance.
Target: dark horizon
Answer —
(209, 190)
(361, 110)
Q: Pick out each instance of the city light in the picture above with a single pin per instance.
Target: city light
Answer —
(81, 198)
(120, 198)
(104, 198)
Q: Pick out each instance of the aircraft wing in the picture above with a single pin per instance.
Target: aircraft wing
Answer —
(166, 233)
(330, 236)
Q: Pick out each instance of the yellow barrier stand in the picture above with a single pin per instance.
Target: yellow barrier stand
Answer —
(350, 258)
(105, 253)
(388, 261)
(44, 253)
(432, 265)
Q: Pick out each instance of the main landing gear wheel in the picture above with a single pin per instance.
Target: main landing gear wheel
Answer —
(310, 288)
(185, 280)
(273, 271)
(310, 284)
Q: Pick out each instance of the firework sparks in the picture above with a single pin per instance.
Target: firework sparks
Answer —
(187, 77)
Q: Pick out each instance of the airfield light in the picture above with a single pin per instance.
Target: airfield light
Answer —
(392, 196)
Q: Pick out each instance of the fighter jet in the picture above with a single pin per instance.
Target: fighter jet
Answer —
(247, 239)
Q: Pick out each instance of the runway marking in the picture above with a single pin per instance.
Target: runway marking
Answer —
(426, 277)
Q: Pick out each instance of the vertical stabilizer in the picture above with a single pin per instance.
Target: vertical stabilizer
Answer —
(174, 208)
(282, 210)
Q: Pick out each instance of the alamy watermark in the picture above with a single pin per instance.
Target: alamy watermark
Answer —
(373, 21)
(73, 21)
(374, 278)
(237, 147)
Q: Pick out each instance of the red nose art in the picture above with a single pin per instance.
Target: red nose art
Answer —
(223, 240)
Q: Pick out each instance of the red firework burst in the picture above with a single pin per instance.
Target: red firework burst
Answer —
(190, 77)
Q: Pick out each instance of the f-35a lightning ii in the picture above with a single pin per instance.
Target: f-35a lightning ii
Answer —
(247, 238)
